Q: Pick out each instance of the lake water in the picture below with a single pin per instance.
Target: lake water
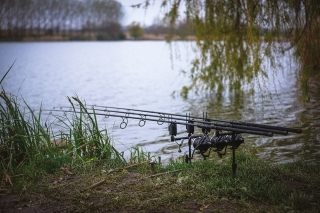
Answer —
(144, 75)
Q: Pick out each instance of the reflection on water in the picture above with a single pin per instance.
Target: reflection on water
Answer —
(141, 75)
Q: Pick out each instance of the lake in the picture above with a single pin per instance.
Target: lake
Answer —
(148, 75)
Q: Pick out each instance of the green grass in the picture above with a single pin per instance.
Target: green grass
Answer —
(29, 146)
(50, 176)
(204, 186)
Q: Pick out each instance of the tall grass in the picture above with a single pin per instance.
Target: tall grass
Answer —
(22, 136)
(29, 145)
(87, 140)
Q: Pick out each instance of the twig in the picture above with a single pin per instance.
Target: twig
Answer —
(22, 162)
(178, 170)
(16, 175)
(66, 171)
(7, 179)
(94, 185)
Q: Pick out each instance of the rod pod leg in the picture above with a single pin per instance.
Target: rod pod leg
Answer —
(234, 164)
(188, 157)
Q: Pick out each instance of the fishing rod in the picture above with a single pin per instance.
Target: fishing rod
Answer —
(227, 133)
(142, 122)
(208, 119)
(163, 115)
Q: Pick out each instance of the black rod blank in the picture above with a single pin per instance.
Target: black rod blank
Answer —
(207, 125)
(267, 126)
(284, 129)
(189, 119)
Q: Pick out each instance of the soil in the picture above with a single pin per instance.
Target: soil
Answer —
(34, 201)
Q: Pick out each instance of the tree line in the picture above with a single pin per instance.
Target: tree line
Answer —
(74, 20)
(20, 18)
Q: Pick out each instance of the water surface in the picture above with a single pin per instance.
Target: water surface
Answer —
(143, 75)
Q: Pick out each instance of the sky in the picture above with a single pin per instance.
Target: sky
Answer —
(144, 17)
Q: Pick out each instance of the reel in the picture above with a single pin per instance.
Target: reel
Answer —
(203, 144)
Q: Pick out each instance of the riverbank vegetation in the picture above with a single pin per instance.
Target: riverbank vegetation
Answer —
(202, 186)
(79, 170)
(228, 40)
(28, 145)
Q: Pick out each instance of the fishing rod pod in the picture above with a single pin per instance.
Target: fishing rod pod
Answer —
(227, 133)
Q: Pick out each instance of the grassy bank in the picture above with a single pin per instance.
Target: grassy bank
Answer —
(79, 170)
(202, 186)
(29, 145)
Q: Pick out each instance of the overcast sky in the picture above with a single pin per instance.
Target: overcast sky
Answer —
(144, 17)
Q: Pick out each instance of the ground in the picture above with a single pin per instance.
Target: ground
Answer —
(78, 193)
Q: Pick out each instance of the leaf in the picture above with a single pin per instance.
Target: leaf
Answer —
(7, 72)
(66, 171)
(181, 179)
(8, 179)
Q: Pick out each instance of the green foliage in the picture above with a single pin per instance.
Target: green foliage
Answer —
(202, 185)
(22, 136)
(135, 30)
(254, 180)
(233, 37)
(28, 146)
(81, 128)
(105, 36)
(298, 201)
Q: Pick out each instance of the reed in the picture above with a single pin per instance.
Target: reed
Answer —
(26, 140)
(84, 136)
(30, 145)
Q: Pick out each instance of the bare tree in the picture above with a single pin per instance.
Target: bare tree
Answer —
(52, 16)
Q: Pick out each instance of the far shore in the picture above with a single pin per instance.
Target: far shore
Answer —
(92, 37)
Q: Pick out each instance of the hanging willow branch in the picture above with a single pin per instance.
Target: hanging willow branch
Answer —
(234, 36)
